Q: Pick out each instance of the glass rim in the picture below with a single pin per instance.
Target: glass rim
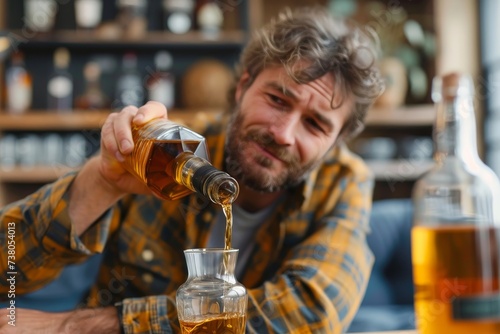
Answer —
(210, 250)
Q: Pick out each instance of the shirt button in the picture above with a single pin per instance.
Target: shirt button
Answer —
(148, 278)
(147, 255)
(207, 216)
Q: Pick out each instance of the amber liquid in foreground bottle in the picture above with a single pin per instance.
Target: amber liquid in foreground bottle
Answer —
(456, 231)
(173, 161)
(224, 324)
(457, 282)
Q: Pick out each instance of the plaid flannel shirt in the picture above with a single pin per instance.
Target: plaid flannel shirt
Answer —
(307, 273)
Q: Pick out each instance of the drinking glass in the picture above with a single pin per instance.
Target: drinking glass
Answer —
(211, 300)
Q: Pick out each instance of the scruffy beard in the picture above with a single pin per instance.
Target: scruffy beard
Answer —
(261, 178)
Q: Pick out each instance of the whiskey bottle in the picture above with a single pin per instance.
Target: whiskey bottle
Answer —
(178, 15)
(60, 85)
(209, 18)
(129, 87)
(19, 85)
(456, 231)
(172, 161)
(93, 97)
(161, 83)
(132, 17)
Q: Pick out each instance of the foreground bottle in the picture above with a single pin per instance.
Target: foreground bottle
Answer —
(173, 161)
(211, 300)
(456, 232)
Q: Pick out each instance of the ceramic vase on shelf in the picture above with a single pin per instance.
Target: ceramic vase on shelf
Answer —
(396, 85)
(39, 15)
(88, 13)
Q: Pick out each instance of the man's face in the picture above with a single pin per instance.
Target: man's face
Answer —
(281, 130)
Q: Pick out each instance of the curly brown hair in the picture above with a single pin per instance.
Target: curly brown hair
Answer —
(326, 44)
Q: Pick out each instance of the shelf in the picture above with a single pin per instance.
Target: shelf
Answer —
(76, 38)
(399, 170)
(35, 174)
(408, 116)
(81, 120)
(84, 120)
(52, 120)
(394, 170)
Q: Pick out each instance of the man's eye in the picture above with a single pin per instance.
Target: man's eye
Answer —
(276, 99)
(314, 124)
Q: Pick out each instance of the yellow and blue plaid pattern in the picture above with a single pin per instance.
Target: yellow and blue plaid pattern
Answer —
(307, 273)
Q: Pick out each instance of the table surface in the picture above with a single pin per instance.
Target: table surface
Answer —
(390, 332)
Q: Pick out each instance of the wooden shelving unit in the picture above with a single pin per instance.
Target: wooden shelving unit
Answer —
(246, 16)
(83, 39)
(77, 120)
(105, 43)
(84, 119)
(419, 115)
(40, 120)
(405, 117)
(35, 174)
(399, 170)
(47, 120)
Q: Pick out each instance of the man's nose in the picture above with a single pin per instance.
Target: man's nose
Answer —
(284, 129)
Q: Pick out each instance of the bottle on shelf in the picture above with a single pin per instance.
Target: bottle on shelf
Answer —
(209, 18)
(129, 87)
(40, 16)
(178, 15)
(60, 85)
(161, 83)
(132, 17)
(19, 85)
(8, 155)
(456, 231)
(172, 161)
(93, 97)
(88, 13)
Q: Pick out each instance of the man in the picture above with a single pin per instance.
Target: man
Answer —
(304, 85)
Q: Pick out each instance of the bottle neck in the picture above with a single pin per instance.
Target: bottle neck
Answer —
(200, 176)
(455, 130)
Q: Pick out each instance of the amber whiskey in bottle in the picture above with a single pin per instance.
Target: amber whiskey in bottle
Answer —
(173, 161)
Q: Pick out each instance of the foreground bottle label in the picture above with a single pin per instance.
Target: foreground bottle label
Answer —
(485, 307)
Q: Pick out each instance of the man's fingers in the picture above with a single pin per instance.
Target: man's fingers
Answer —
(122, 129)
(108, 141)
(117, 132)
(116, 136)
(149, 111)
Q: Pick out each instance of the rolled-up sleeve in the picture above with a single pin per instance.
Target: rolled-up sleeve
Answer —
(154, 314)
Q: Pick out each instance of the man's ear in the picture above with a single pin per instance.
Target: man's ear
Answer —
(242, 85)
